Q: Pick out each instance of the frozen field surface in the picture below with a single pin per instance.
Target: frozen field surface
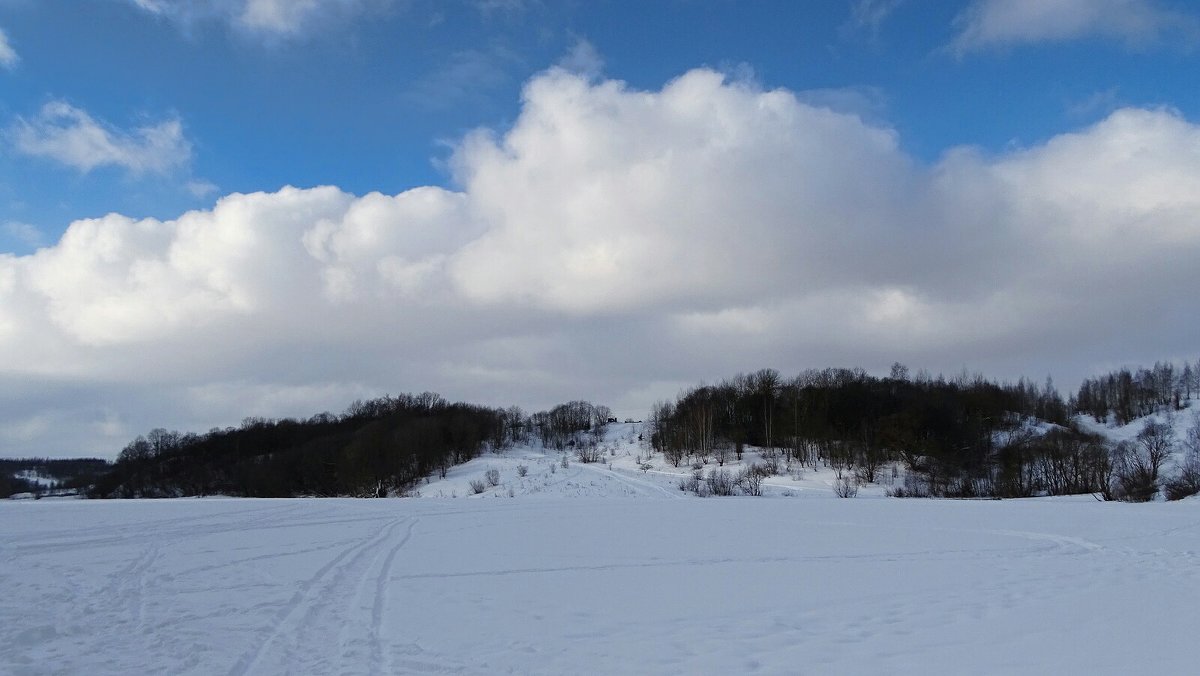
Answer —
(598, 586)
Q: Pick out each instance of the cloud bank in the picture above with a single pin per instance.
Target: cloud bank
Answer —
(613, 244)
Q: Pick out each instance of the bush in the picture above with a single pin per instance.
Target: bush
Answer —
(1178, 489)
(846, 486)
(720, 482)
(915, 486)
(492, 476)
(750, 480)
(1187, 483)
(478, 486)
(522, 470)
(1135, 474)
(690, 484)
(769, 465)
(588, 453)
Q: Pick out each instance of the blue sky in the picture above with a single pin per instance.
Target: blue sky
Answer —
(367, 99)
(530, 201)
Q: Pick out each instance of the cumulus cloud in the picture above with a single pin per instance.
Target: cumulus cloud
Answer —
(702, 173)
(995, 23)
(8, 55)
(284, 18)
(583, 58)
(69, 135)
(614, 244)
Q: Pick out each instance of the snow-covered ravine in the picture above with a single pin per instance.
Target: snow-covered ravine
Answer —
(598, 586)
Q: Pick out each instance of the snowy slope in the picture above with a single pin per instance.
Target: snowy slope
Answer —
(1182, 422)
(621, 473)
(34, 478)
(646, 586)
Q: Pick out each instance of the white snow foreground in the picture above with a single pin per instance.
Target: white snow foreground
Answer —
(598, 586)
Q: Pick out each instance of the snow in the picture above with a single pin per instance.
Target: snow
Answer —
(599, 568)
(1181, 421)
(653, 585)
(621, 473)
(33, 477)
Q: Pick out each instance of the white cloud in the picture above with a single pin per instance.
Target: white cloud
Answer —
(282, 18)
(640, 177)
(69, 135)
(583, 58)
(994, 23)
(613, 244)
(8, 55)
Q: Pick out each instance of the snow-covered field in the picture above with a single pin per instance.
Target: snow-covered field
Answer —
(598, 586)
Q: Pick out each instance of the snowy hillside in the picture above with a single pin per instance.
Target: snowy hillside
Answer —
(598, 586)
(1171, 434)
(627, 468)
(1181, 421)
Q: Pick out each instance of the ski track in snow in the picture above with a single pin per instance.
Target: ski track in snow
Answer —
(298, 614)
(379, 663)
(642, 487)
(597, 585)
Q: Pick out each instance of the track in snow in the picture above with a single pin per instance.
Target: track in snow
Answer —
(738, 585)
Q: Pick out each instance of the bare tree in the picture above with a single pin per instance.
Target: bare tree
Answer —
(1158, 441)
(721, 452)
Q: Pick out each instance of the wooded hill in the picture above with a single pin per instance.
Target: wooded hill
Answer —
(966, 437)
(55, 476)
(376, 448)
(962, 437)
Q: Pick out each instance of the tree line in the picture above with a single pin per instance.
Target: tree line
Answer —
(61, 476)
(1124, 395)
(377, 447)
(962, 437)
